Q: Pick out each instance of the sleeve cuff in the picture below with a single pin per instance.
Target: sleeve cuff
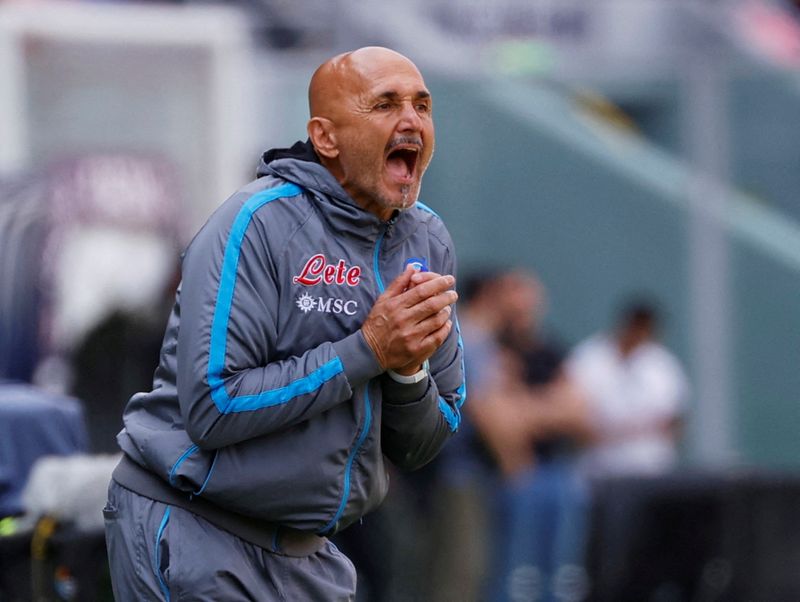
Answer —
(400, 394)
(358, 360)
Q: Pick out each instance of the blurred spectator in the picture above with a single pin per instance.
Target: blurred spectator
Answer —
(466, 473)
(115, 360)
(23, 230)
(388, 546)
(636, 390)
(116, 223)
(510, 521)
(91, 245)
(544, 503)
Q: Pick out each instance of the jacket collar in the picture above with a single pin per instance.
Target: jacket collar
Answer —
(301, 165)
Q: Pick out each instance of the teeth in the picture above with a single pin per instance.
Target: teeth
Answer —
(412, 149)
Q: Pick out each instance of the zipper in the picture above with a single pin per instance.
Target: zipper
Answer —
(331, 526)
(376, 268)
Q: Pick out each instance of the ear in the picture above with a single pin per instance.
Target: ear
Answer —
(322, 133)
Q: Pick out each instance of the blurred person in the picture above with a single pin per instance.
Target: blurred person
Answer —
(81, 237)
(510, 504)
(544, 500)
(636, 390)
(114, 360)
(110, 266)
(23, 229)
(288, 368)
(466, 472)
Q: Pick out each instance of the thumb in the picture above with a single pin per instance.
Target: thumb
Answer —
(400, 284)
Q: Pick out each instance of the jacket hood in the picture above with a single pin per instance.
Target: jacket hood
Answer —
(300, 164)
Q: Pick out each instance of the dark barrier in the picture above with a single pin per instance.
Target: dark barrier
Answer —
(688, 538)
(696, 538)
(54, 563)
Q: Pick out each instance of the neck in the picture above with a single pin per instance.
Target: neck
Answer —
(382, 212)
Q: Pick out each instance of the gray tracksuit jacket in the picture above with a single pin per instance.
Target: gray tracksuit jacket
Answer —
(267, 402)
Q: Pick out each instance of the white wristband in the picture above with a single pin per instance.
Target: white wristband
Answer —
(412, 378)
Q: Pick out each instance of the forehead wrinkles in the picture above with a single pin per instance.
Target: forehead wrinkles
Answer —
(350, 82)
(347, 89)
(370, 78)
(330, 85)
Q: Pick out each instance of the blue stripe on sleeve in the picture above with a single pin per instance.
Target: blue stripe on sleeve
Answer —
(190, 450)
(157, 554)
(453, 417)
(222, 310)
(302, 386)
(424, 207)
(462, 390)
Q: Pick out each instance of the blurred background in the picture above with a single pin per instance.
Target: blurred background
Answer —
(622, 182)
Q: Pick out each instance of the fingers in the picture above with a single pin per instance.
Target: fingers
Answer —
(411, 318)
(426, 347)
(432, 305)
(401, 283)
(411, 279)
(434, 322)
(428, 306)
(424, 293)
(420, 277)
(427, 336)
(429, 287)
(435, 339)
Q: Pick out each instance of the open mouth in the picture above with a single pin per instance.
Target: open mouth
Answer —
(401, 162)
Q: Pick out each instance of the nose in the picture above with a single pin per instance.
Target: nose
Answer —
(410, 120)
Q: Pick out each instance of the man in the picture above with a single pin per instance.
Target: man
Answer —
(312, 335)
(543, 500)
(512, 520)
(636, 390)
(491, 440)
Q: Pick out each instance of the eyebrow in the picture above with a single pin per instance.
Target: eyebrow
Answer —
(393, 95)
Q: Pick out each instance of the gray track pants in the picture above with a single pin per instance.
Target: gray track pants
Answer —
(165, 553)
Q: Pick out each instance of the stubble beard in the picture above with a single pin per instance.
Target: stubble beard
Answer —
(408, 198)
(374, 190)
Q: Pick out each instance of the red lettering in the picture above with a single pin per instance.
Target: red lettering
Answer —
(340, 267)
(313, 268)
(353, 275)
(317, 269)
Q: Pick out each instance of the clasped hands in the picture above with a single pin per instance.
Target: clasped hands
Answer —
(410, 320)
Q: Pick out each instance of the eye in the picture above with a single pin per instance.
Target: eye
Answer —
(383, 106)
(423, 107)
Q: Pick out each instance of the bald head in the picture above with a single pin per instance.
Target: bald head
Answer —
(346, 74)
(372, 127)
